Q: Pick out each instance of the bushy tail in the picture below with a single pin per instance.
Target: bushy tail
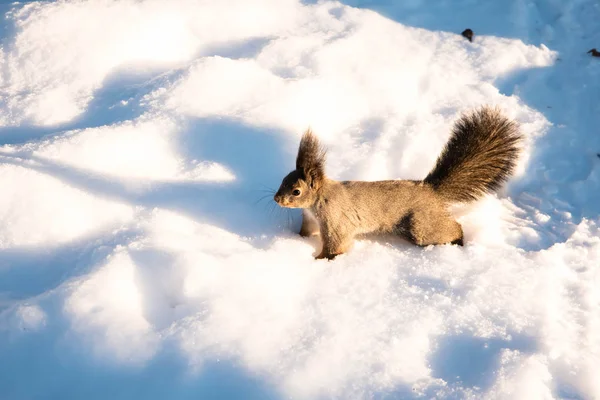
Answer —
(479, 157)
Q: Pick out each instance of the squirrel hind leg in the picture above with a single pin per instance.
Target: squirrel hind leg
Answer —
(459, 241)
(426, 227)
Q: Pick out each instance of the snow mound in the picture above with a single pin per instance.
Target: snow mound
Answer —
(62, 52)
(106, 309)
(144, 149)
(37, 209)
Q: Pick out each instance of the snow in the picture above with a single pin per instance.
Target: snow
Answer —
(141, 254)
(38, 209)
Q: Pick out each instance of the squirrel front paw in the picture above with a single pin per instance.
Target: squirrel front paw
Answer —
(328, 256)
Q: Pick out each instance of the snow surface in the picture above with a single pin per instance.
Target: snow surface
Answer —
(141, 255)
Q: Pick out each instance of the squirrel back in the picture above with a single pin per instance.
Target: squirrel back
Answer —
(479, 157)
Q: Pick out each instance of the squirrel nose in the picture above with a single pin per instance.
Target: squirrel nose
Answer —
(277, 198)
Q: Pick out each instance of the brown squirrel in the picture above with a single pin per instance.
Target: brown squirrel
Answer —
(478, 158)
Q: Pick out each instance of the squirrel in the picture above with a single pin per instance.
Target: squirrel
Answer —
(479, 157)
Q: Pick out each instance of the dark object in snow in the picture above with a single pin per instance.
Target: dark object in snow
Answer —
(594, 53)
(468, 34)
(478, 158)
(598, 155)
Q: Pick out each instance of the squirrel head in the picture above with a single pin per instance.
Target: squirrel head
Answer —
(300, 188)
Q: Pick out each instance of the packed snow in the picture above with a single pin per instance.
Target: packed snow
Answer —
(142, 256)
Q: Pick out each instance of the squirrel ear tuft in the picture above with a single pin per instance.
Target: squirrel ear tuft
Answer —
(311, 159)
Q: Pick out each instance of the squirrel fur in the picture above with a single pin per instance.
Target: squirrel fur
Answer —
(479, 157)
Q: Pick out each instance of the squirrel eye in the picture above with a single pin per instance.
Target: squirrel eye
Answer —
(296, 192)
